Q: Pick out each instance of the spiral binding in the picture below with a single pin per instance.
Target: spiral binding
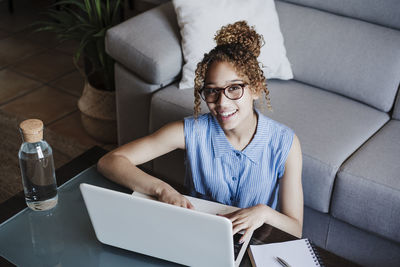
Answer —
(314, 253)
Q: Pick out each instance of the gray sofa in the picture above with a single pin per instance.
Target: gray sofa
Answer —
(342, 104)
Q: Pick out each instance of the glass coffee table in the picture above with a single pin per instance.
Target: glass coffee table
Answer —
(64, 235)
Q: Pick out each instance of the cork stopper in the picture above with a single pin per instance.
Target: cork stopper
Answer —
(32, 130)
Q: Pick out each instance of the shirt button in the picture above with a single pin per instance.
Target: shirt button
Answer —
(234, 178)
(238, 154)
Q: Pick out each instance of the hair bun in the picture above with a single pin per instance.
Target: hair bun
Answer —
(242, 34)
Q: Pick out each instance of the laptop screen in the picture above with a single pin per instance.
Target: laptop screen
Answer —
(236, 245)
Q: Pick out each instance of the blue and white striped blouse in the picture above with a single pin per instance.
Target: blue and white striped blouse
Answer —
(238, 178)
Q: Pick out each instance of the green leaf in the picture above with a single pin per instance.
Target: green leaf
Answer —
(98, 9)
(89, 9)
(101, 33)
(78, 17)
(107, 13)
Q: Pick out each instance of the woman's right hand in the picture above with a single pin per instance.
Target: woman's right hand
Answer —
(171, 196)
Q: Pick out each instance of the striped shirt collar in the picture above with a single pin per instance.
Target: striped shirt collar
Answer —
(253, 151)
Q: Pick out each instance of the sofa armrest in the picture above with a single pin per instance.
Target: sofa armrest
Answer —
(148, 45)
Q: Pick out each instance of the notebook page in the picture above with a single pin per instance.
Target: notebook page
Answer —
(295, 253)
(201, 205)
(210, 206)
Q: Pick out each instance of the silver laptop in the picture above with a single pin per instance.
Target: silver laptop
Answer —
(147, 226)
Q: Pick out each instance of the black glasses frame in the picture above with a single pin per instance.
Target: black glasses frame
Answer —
(223, 89)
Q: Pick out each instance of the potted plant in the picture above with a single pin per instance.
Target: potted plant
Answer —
(87, 21)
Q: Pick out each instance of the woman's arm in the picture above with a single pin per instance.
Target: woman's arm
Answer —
(291, 194)
(290, 219)
(120, 164)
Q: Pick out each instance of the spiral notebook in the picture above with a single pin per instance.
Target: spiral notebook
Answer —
(296, 253)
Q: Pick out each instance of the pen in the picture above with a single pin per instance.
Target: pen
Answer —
(282, 262)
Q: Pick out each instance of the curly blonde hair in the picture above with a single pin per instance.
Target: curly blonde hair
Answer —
(240, 45)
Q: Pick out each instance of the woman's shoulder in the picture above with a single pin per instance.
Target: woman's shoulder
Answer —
(280, 139)
(202, 120)
(199, 124)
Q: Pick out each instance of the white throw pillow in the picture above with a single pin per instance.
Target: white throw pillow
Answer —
(199, 20)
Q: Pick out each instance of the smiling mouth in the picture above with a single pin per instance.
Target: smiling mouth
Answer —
(226, 115)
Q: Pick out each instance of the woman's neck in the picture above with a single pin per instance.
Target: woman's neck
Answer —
(241, 137)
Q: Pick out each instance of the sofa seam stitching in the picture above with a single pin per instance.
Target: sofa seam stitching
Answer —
(367, 178)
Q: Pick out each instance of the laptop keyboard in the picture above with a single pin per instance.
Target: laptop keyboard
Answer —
(236, 245)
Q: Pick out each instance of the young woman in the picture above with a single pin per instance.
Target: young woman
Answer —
(235, 154)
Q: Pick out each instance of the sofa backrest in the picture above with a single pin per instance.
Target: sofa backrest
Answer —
(382, 12)
(345, 55)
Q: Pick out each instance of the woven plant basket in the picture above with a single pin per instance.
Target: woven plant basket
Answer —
(98, 114)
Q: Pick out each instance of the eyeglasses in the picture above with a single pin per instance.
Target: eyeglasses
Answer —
(232, 91)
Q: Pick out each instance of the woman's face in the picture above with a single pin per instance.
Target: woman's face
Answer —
(229, 113)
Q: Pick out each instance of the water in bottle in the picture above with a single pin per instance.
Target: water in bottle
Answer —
(37, 167)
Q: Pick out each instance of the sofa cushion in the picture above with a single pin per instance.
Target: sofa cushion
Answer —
(148, 44)
(330, 128)
(361, 247)
(383, 12)
(367, 189)
(354, 58)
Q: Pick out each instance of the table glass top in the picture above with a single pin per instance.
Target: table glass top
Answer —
(64, 235)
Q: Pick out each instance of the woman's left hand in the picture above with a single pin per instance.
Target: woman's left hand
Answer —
(248, 219)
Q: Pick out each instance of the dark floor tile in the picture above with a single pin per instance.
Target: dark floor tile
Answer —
(42, 38)
(13, 49)
(4, 34)
(12, 183)
(46, 66)
(68, 47)
(71, 127)
(10, 188)
(13, 85)
(4, 194)
(45, 103)
(72, 82)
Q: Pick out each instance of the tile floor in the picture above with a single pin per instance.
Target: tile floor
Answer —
(37, 76)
